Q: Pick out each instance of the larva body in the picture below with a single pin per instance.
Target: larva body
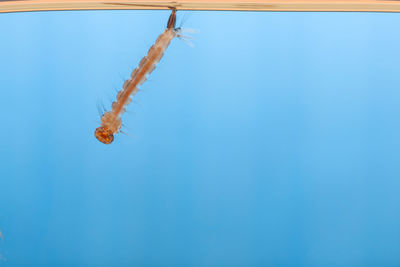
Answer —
(111, 120)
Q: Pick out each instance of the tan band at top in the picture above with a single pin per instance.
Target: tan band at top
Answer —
(236, 5)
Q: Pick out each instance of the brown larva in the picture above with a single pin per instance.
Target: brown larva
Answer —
(111, 120)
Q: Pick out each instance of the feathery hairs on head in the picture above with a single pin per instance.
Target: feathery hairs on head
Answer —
(100, 108)
(180, 33)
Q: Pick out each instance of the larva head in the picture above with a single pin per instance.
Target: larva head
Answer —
(104, 135)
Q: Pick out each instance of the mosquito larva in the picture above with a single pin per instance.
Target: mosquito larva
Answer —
(111, 120)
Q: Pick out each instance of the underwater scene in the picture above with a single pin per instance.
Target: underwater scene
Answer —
(260, 139)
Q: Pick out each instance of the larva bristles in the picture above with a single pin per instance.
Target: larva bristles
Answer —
(111, 121)
(104, 135)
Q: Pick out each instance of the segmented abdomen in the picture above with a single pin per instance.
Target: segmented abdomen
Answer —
(111, 119)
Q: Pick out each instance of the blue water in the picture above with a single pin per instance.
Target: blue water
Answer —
(273, 142)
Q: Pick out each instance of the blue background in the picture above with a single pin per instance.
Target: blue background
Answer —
(273, 142)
